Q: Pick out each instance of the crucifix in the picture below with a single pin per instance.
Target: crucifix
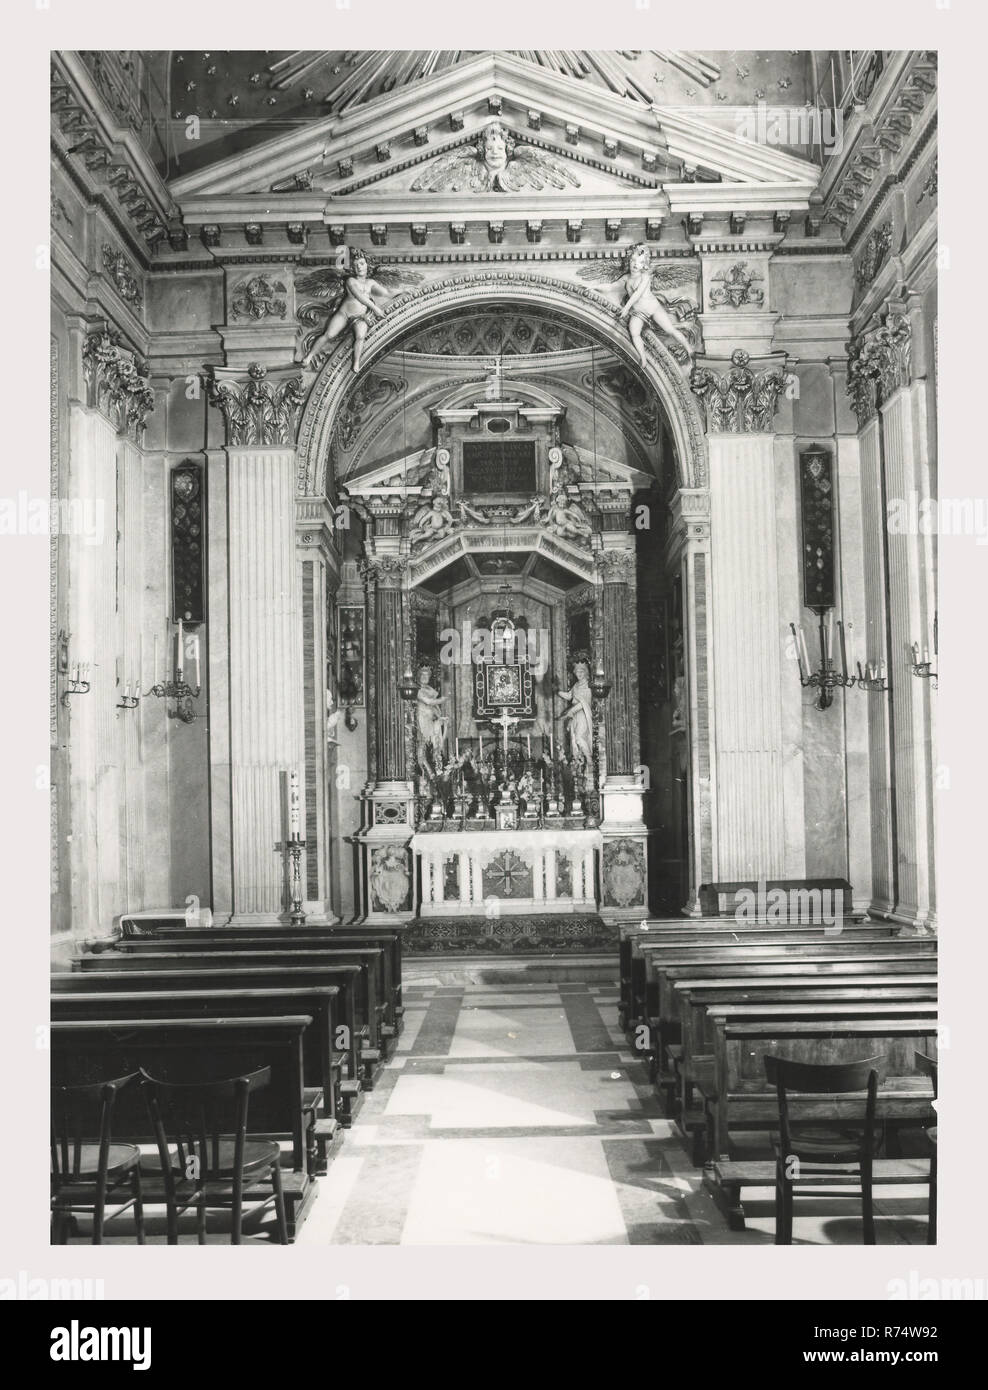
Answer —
(506, 721)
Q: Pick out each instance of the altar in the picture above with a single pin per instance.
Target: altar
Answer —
(504, 778)
(510, 872)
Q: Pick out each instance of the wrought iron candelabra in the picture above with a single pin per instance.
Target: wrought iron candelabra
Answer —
(924, 669)
(183, 693)
(827, 678)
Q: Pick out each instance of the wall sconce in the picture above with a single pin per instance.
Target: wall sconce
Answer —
(131, 696)
(924, 669)
(873, 676)
(827, 678)
(78, 682)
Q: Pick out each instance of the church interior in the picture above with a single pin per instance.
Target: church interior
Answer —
(494, 647)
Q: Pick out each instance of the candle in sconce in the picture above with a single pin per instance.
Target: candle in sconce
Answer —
(829, 646)
(843, 649)
(861, 674)
(294, 804)
(803, 649)
(915, 653)
(157, 678)
(180, 655)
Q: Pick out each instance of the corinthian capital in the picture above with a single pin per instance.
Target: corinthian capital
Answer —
(741, 401)
(117, 383)
(259, 413)
(879, 361)
(617, 566)
(386, 571)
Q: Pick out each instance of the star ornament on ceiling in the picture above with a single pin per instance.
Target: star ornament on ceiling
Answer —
(363, 76)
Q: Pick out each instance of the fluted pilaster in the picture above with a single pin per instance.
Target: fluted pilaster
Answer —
(265, 669)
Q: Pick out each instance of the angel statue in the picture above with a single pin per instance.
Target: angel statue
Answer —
(645, 301)
(567, 518)
(431, 521)
(352, 294)
(494, 163)
(579, 718)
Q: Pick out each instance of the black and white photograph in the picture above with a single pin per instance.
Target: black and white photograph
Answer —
(494, 538)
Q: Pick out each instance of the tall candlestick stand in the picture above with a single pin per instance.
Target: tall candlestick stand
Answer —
(296, 845)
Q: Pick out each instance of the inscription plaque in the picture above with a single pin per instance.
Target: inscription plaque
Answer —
(498, 466)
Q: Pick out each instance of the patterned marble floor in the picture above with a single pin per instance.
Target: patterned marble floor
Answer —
(514, 1113)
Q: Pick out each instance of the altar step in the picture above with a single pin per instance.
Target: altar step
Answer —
(558, 935)
(495, 970)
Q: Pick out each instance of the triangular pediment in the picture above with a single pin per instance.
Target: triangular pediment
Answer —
(428, 139)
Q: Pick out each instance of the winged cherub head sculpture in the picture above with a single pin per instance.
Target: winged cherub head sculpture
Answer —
(495, 162)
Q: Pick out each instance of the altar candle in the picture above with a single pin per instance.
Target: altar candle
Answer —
(528, 741)
(181, 656)
(456, 747)
(552, 757)
(294, 803)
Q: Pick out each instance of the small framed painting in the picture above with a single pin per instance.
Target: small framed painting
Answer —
(506, 817)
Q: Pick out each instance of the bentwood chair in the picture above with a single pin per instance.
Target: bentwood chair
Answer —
(87, 1167)
(820, 1152)
(207, 1160)
(928, 1066)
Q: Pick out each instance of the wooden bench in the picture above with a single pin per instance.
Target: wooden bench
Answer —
(697, 1001)
(725, 1181)
(369, 1005)
(709, 932)
(184, 1049)
(346, 978)
(654, 955)
(321, 1065)
(388, 939)
(734, 1091)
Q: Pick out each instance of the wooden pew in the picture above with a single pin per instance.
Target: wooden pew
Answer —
(185, 1049)
(652, 954)
(370, 960)
(708, 931)
(696, 1000)
(736, 1095)
(658, 1036)
(345, 978)
(388, 939)
(321, 1065)
(709, 894)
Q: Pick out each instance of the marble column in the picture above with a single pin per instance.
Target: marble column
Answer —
(387, 877)
(619, 612)
(690, 555)
(265, 633)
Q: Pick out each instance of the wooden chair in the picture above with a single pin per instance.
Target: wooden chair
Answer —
(928, 1066)
(815, 1152)
(206, 1157)
(87, 1167)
